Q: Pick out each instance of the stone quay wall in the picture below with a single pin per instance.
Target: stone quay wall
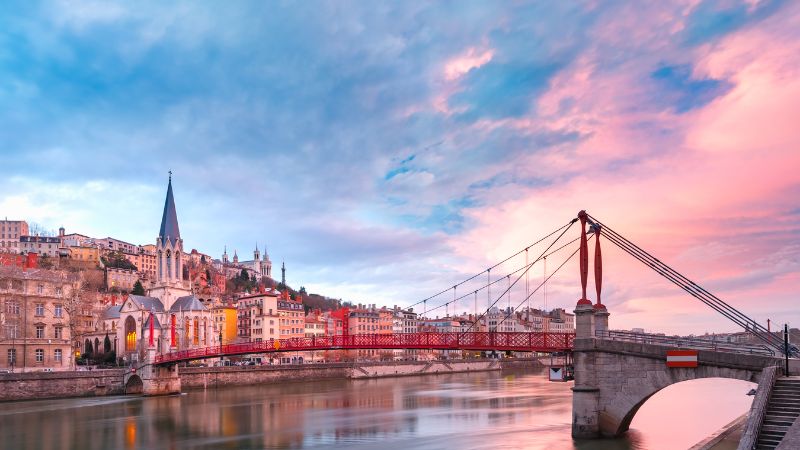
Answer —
(42, 385)
(210, 377)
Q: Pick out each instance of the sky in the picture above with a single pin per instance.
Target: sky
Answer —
(387, 150)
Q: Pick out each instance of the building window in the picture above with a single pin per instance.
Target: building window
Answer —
(12, 307)
(12, 356)
(12, 331)
(40, 288)
(59, 332)
(58, 291)
(39, 309)
(39, 355)
(59, 311)
(57, 355)
(39, 331)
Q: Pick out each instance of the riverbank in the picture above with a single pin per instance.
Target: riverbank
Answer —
(41, 385)
(726, 438)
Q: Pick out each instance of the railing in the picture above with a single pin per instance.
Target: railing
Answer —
(758, 409)
(521, 342)
(676, 341)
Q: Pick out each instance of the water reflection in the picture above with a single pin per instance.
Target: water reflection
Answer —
(477, 410)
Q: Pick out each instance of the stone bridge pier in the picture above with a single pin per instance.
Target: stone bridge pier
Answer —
(613, 379)
(148, 379)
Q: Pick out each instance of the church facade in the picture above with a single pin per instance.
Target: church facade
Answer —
(170, 317)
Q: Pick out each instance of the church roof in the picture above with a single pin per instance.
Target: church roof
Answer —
(147, 303)
(112, 312)
(187, 303)
(156, 324)
(169, 221)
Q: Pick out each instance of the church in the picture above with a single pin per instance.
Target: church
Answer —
(169, 317)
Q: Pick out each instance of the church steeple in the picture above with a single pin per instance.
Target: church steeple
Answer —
(169, 220)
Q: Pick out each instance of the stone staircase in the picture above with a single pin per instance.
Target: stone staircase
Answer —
(782, 410)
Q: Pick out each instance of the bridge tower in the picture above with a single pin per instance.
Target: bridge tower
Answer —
(589, 319)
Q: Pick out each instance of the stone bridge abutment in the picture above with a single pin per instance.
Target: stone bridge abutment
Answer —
(613, 379)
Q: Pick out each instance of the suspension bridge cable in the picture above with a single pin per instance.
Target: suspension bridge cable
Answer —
(543, 282)
(691, 287)
(501, 262)
(526, 270)
(520, 269)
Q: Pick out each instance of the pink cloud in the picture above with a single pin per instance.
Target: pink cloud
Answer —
(709, 195)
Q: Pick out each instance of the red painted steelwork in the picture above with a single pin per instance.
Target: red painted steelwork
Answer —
(598, 265)
(172, 330)
(584, 260)
(518, 342)
(152, 327)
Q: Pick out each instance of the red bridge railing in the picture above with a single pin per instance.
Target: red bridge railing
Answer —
(518, 342)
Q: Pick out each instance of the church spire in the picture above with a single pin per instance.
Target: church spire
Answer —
(169, 221)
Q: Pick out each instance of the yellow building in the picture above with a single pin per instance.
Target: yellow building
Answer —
(224, 317)
(85, 254)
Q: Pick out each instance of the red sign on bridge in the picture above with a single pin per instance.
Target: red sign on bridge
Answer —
(681, 358)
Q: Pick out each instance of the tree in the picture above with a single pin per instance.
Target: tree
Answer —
(208, 276)
(117, 260)
(106, 344)
(138, 289)
(303, 290)
(45, 262)
(203, 259)
(244, 276)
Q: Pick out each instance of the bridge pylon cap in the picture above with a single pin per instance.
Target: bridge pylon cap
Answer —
(584, 301)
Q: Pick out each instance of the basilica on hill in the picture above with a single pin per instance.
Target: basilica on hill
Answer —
(169, 317)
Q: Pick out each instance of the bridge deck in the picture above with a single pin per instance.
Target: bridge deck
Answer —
(478, 341)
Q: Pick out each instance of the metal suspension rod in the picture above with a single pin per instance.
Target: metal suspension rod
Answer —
(501, 262)
(545, 280)
(531, 265)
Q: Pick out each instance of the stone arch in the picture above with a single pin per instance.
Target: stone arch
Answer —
(130, 334)
(134, 385)
(621, 406)
(87, 347)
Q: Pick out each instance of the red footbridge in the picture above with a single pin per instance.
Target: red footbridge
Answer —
(546, 342)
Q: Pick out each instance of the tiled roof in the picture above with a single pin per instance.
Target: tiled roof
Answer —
(147, 303)
(187, 303)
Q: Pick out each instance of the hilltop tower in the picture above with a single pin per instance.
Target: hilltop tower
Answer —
(225, 255)
(257, 260)
(266, 265)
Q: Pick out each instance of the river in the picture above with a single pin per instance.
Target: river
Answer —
(504, 410)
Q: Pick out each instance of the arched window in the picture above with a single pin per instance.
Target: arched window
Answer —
(97, 345)
(196, 334)
(178, 272)
(130, 334)
(169, 265)
(87, 347)
(160, 266)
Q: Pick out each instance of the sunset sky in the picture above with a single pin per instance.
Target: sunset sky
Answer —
(387, 150)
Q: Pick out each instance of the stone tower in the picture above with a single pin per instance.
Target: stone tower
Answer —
(169, 283)
(225, 255)
(257, 260)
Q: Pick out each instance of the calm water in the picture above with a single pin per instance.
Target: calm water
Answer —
(466, 411)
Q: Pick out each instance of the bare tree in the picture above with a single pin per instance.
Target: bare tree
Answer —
(82, 307)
